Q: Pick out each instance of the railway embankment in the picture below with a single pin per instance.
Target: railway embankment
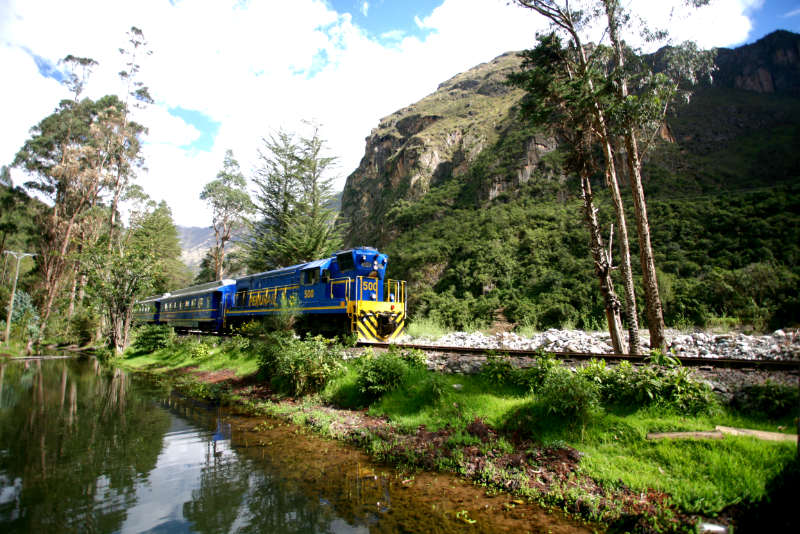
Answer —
(781, 344)
(571, 437)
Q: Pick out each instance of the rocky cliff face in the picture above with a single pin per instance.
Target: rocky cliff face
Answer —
(434, 140)
(771, 64)
(446, 135)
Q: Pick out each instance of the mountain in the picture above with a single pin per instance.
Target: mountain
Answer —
(479, 217)
(195, 243)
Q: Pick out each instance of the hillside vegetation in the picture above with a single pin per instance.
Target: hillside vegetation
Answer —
(500, 231)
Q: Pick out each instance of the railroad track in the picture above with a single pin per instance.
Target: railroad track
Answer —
(729, 363)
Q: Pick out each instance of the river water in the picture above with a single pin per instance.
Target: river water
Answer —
(88, 449)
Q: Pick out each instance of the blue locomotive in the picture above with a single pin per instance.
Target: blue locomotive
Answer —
(347, 292)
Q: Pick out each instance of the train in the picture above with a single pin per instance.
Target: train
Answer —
(346, 293)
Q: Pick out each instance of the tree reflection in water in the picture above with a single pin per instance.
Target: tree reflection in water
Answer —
(60, 456)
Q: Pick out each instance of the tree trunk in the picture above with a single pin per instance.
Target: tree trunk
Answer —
(602, 267)
(72, 294)
(631, 311)
(654, 312)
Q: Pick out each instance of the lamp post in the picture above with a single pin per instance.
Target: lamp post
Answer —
(18, 256)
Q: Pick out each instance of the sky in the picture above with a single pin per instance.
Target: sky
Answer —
(225, 74)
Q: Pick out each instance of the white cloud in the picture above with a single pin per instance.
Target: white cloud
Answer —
(248, 67)
(792, 13)
(365, 8)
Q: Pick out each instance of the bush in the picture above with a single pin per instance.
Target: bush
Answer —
(672, 387)
(199, 349)
(498, 370)
(770, 399)
(82, 326)
(569, 395)
(299, 367)
(381, 374)
(152, 337)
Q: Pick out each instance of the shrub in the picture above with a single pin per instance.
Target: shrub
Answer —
(199, 350)
(499, 370)
(770, 399)
(672, 387)
(569, 395)
(236, 343)
(381, 374)
(152, 337)
(299, 367)
(82, 326)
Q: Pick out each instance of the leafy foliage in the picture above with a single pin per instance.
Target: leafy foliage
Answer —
(293, 197)
(150, 338)
(769, 399)
(673, 387)
(230, 203)
(569, 395)
(381, 374)
(299, 367)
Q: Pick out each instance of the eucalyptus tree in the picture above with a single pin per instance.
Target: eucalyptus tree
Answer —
(624, 116)
(642, 113)
(555, 82)
(591, 99)
(126, 153)
(230, 204)
(69, 163)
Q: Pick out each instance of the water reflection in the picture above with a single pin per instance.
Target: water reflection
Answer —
(72, 447)
(85, 449)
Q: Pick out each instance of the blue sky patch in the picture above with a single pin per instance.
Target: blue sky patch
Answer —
(208, 128)
(47, 68)
(388, 20)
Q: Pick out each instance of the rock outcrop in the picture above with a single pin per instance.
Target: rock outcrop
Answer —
(435, 140)
(770, 65)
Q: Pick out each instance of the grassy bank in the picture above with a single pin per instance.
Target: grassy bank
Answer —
(575, 440)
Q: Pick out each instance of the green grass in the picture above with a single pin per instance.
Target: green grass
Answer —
(701, 476)
(426, 327)
(15, 350)
(180, 355)
(414, 405)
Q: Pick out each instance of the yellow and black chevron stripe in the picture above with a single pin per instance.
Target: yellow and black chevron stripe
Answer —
(368, 326)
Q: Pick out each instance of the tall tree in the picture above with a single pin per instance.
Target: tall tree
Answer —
(293, 195)
(230, 204)
(69, 163)
(622, 116)
(555, 81)
(588, 98)
(313, 233)
(140, 261)
(125, 152)
(637, 112)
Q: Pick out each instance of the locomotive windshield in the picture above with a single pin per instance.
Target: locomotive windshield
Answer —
(346, 262)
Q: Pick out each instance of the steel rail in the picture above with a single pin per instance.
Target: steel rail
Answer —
(687, 361)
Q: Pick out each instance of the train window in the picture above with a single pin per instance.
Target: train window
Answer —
(345, 261)
(194, 303)
(310, 277)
